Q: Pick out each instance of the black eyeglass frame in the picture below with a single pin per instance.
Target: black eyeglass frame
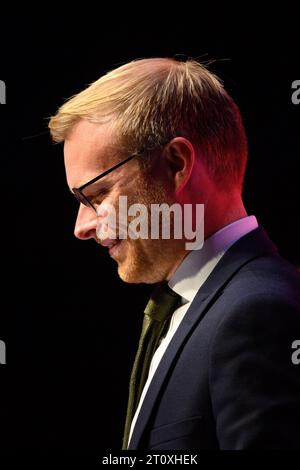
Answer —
(77, 192)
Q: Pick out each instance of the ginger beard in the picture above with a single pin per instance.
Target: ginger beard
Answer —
(146, 260)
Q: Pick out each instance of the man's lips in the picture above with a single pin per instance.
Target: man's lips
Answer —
(115, 246)
(110, 243)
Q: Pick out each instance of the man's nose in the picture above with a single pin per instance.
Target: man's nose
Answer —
(86, 223)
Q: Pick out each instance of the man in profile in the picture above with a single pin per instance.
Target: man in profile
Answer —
(213, 369)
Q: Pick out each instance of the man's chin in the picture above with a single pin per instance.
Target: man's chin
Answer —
(139, 276)
(129, 276)
(130, 270)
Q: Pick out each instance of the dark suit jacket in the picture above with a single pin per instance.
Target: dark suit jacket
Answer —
(227, 380)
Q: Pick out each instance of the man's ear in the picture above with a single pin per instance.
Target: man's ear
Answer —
(180, 159)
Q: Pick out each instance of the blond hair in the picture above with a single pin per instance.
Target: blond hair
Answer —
(151, 101)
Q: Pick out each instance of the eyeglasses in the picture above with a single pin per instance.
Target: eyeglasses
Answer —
(78, 192)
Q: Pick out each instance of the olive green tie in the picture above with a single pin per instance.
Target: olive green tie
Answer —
(159, 309)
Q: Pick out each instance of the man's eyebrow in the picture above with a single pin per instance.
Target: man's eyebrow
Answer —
(101, 185)
(82, 183)
(97, 186)
(76, 187)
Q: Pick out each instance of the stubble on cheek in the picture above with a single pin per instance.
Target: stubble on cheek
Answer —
(146, 261)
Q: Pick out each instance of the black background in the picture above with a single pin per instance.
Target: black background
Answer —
(70, 325)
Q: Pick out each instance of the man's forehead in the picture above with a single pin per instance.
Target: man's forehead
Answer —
(89, 149)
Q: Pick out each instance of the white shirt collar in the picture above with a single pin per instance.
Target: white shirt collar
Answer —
(198, 264)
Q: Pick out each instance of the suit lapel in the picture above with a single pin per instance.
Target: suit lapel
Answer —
(252, 245)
